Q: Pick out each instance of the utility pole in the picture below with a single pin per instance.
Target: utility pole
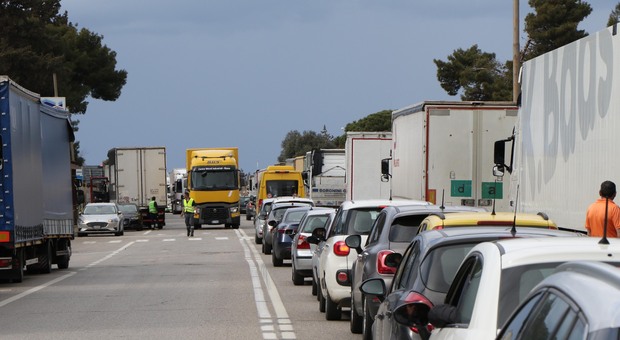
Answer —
(516, 54)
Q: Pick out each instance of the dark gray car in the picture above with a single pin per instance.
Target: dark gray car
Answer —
(275, 216)
(392, 231)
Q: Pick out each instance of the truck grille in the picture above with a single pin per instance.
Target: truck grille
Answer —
(214, 213)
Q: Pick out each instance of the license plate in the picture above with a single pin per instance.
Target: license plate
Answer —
(215, 221)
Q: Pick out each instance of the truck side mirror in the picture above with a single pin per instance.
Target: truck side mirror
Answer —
(499, 156)
(385, 169)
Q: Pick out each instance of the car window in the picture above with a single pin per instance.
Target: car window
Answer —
(554, 319)
(407, 272)
(128, 208)
(314, 221)
(405, 228)
(376, 229)
(511, 330)
(295, 216)
(440, 265)
(518, 282)
(467, 289)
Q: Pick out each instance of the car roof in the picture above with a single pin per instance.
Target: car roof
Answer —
(488, 218)
(593, 285)
(101, 203)
(398, 209)
(346, 205)
(320, 211)
(291, 198)
(519, 252)
(297, 208)
(277, 205)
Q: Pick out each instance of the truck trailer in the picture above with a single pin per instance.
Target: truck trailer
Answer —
(36, 209)
(214, 183)
(565, 141)
(137, 174)
(324, 176)
(442, 152)
(178, 185)
(364, 152)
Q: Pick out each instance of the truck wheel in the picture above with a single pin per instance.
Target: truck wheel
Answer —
(138, 227)
(17, 274)
(197, 226)
(247, 217)
(235, 226)
(45, 259)
(63, 260)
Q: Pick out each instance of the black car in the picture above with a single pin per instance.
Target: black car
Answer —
(132, 219)
(243, 204)
(426, 270)
(283, 234)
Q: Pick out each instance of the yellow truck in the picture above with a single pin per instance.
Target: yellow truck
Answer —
(213, 183)
(278, 181)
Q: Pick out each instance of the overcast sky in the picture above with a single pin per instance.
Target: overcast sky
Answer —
(217, 73)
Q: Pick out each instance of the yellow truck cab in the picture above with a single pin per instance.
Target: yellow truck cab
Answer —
(277, 181)
(213, 183)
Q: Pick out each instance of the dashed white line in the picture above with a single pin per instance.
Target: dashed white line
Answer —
(35, 289)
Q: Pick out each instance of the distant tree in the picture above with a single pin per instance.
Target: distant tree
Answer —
(378, 121)
(614, 16)
(297, 144)
(478, 74)
(553, 24)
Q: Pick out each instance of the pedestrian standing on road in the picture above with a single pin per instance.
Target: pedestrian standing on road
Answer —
(604, 207)
(188, 213)
(153, 212)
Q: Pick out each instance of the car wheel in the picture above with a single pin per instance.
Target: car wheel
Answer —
(367, 322)
(321, 299)
(332, 312)
(277, 262)
(267, 248)
(314, 287)
(298, 279)
(357, 321)
(257, 240)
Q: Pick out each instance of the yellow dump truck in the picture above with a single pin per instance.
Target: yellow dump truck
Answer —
(213, 183)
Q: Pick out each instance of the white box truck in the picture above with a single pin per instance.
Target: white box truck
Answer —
(178, 185)
(442, 152)
(364, 152)
(136, 175)
(566, 140)
(324, 173)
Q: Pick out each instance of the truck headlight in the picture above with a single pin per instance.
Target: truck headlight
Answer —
(234, 209)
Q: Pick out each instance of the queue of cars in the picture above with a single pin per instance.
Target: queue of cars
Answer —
(412, 270)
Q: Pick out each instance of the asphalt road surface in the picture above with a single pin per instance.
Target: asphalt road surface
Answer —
(160, 284)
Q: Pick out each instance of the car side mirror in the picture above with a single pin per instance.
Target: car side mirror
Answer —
(375, 286)
(354, 242)
(414, 314)
(393, 259)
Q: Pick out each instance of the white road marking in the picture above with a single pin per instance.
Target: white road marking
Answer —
(35, 289)
(115, 241)
(108, 256)
(169, 239)
(221, 238)
(257, 272)
(195, 238)
(142, 240)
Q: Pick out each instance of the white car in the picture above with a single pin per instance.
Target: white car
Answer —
(101, 218)
(335, 259)
(496, 277)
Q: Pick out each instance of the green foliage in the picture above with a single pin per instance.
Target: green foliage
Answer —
(554, 24)
(614, 16)
(38, 42)
(478, 74)
(297, 144)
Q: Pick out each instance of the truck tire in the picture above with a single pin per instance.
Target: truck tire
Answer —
(197, 225)
(17, 274)
(235, 226)
(62, 261)
(247, 217)
(45, 258)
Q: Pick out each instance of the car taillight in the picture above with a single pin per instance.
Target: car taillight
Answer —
(341, 249)
(302, 243)
(419, 298)
(382, 268)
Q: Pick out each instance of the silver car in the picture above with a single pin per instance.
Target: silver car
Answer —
(301, 250)
(101, 218)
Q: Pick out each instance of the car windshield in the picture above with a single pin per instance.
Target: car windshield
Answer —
(128, 208)
(295, 216)
(99, 210)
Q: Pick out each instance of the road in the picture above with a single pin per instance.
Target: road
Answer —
(160, 284)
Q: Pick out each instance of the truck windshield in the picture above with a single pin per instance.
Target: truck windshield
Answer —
(282, 188)
(214, 179)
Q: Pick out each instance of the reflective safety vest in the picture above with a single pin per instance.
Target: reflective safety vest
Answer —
(152, 208)
(188, 205)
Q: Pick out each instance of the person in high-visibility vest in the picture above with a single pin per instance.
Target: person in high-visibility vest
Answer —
(188, 213)
(153, 212)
